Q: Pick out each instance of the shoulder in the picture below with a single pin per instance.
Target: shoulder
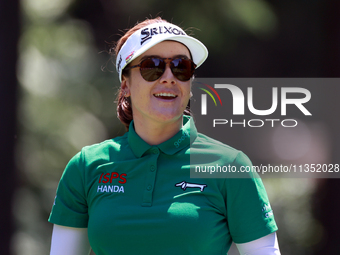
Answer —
(106, 151)
(116, 144)
(207, 145)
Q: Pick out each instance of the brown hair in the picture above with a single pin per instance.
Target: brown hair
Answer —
(124, 108)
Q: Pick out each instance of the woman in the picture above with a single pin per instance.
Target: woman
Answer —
(133, 194)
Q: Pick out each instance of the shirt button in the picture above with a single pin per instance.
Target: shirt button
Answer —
(155, 151)
(152, 168)
(149, 187)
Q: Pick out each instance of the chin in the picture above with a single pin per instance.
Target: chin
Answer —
(169, 117)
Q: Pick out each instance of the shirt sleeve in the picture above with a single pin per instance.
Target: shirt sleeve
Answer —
(249, 213)
(70, 205)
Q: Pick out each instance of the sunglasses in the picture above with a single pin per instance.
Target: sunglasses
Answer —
(153, 68)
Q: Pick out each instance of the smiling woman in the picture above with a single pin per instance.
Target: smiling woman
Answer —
(158, 105)
(150, 33)
(133, 194)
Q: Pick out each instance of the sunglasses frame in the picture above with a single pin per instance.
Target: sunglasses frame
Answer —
(193, 65)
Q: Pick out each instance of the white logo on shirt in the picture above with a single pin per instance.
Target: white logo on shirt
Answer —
(268, 212)
(110, 188)
(185, 185)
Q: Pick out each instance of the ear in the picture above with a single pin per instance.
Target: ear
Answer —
(125, 86)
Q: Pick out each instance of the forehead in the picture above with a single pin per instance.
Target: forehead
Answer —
(167, 49)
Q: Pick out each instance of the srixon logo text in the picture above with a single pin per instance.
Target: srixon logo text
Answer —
(148, 33)
(239, 106)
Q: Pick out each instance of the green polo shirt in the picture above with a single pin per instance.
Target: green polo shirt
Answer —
(135, 198)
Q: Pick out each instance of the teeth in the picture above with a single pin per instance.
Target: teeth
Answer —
(165, 95)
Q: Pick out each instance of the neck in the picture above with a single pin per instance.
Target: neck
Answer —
(157, 133)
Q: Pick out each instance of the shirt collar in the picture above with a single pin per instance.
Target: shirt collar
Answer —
(185, 136)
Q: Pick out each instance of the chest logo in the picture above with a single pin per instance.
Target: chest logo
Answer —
(184, 185)
(111, 178)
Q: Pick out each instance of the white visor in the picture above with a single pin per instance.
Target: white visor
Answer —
(147, 37)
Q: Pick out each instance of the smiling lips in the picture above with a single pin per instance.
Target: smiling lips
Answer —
(167, 96)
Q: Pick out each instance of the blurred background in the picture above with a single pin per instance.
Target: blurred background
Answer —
(58, 87)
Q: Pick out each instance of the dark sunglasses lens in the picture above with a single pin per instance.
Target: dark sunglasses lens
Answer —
(152, 68)
(183, 69)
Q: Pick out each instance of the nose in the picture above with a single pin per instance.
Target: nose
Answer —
(168, 76)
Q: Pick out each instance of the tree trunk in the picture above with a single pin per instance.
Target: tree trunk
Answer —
(9, 34)
(327, 207)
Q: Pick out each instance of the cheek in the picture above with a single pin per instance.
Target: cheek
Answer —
(188, 91)
(186, 98)
(135, 88)
(139, 97)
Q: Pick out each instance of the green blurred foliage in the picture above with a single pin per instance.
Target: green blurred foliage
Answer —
(66, 102)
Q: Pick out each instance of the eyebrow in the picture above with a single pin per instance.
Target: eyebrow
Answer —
(157, 56)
